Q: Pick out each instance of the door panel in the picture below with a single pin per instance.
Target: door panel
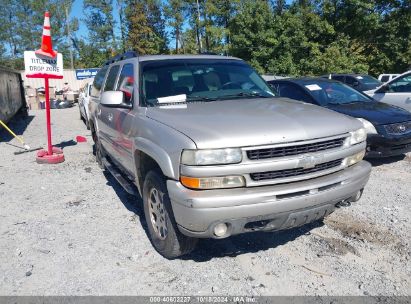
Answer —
(120, 121)
(106, 114)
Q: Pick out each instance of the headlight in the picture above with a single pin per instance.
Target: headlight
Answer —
(353, 159)
(211, 157)
(369, 127)
(358, 136)
(202, 183)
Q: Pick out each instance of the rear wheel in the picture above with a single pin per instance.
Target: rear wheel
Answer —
(162, 228)
(79, 109)
(86, 121)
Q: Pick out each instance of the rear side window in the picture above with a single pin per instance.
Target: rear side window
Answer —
(338, 77)
(111, 78)
(98, 82)
(126, 82)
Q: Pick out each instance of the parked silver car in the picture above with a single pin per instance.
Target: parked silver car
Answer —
(83, 101)
(213, 153)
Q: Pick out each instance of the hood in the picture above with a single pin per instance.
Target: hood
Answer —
(378, 113)
(252, 122)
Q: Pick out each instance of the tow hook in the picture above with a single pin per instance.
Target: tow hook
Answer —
(347, 202)
(344, 203)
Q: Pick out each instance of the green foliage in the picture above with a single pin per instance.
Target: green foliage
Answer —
(22, 25)
(175, 19)
(145, 27)
(100, 23)
(300, 37)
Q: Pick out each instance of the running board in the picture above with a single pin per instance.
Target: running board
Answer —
(124, 182)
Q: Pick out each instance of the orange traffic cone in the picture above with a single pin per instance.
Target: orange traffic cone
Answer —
(46, 45)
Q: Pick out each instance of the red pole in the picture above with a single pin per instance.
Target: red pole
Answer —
(49, 147)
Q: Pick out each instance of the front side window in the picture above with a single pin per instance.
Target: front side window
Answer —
(200, 80)
(385, 78)
(401, 85)
(111, 78)
(293, 92)
(351, 80)
(98, 82)
(126, 82)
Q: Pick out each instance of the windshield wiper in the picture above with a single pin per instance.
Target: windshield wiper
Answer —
(344, 103)
(200, 98)
(245, 94)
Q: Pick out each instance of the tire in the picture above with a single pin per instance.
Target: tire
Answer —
(81, 116)
(162, 227)
(99, 153)
(86, 121)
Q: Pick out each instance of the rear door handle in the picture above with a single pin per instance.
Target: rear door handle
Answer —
(98, 112)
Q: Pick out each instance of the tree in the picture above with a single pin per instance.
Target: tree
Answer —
(145, 27)
(100, 24)
(23, 19)
(174, 13)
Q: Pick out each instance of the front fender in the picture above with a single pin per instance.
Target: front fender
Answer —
(158, 154)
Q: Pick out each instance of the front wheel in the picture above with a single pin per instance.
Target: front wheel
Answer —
(99, 153)
(162, 228)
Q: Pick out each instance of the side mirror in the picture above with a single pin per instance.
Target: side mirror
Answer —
(355, 84)
(383, 89)
(114, 99)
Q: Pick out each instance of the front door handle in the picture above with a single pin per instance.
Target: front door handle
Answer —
(110, 116)
(98, 112)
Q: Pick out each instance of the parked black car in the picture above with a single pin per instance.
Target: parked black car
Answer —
(360, 82)
(388, 127)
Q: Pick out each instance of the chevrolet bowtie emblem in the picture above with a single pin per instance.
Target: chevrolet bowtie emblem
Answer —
(309, 161)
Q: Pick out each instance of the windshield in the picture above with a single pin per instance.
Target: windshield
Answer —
(200, 80)
(334, 93)
(369, 80)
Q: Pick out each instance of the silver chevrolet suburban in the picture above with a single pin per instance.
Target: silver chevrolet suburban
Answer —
(214, 153)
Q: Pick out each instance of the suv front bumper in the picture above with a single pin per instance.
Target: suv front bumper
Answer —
(264, 208)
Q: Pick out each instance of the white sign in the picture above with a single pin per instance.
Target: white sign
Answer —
(172, 99)
(38, 65)
(313, 87)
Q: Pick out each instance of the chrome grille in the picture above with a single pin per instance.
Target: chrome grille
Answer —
(294, 172)
(295, 149)
(398, 128)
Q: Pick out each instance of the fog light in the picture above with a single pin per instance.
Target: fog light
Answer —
(356, 197)
(220, 229)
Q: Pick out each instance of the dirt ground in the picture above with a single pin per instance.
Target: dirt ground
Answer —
(70, 229)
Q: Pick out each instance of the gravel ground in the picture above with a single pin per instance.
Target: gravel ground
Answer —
(70, 229)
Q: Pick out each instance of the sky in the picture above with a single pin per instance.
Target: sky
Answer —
(78, 12)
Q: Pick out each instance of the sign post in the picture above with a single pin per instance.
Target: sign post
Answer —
(48, 64)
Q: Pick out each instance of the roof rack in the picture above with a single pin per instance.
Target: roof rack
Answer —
(208, 53)
(126, 55)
